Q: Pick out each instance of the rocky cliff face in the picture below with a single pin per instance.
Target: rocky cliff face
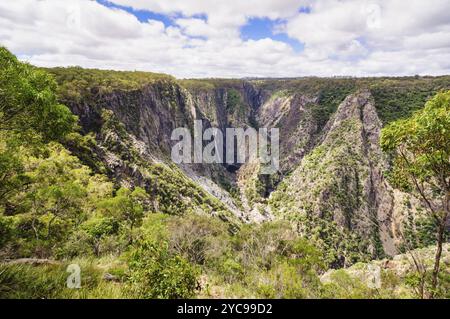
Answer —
(332, 168)
(133, 129)
(341, 180)
(292, 113)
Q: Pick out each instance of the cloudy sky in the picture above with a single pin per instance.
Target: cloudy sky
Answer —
(233, 38)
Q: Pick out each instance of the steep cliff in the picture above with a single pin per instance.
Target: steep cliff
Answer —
(331, 166)
(341, 179)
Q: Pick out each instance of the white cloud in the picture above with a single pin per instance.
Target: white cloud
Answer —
(334, 26)
(347, 37)
(200, 28)
(223, 13)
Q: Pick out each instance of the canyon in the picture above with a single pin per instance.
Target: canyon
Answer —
(332, 169)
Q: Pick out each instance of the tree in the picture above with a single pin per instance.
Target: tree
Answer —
(12, 172)
(58, 186)
(126, 206)
(29, 115)
(97, 228)
(154, 272)
(28, 103)
(420, 150)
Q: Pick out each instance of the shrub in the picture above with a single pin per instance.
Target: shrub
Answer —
(197, 238)
(231, 271)
(155, 273)
(260, 246)
(6, 230)
(283, 281)
(344, 286)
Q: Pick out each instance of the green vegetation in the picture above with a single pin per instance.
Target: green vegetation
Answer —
(28, 106)
(76, 83)
(400, 98)
(420, 151)
(197, 85)
(329, 100)
(395, 98)
(155, 273)
(233, 100)
(49, 282)
(324, 194)
(210, 84)
(140, 228)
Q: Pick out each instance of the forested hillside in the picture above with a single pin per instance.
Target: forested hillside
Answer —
(86, 178)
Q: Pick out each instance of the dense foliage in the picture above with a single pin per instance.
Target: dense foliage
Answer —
(77, 83)
(420, 150)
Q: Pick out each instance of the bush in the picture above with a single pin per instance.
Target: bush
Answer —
(96, 236)
(6, 230)
(155, 273)
(344, 286)
(283, 281)
(231, 271)
(260, 246)
(197, 238)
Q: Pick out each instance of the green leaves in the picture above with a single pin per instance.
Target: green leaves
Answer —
(156, 273)
(126, 205)
(28, 103)
(100, 226)
(420, 149)
(233, 100)
(77, 83)
(420, 146)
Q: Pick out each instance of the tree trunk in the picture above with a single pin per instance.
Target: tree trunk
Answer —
(130, 240)
(50, 222)
(440, 239)
(36, 233)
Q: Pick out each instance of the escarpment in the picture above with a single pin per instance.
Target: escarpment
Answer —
(332, 170)
(342, 180)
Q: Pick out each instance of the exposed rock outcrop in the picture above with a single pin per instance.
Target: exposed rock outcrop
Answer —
(342, 178)
(332, 167)
(371, 274)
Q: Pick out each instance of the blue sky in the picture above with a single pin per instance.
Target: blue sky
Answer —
(142, 15)
(254, 29)
(261, 28)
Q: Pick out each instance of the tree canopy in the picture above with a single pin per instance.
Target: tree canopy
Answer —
(420, 151)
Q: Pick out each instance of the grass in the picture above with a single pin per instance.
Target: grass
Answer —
(23, 281)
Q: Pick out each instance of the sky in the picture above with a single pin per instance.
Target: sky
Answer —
(233, 38)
